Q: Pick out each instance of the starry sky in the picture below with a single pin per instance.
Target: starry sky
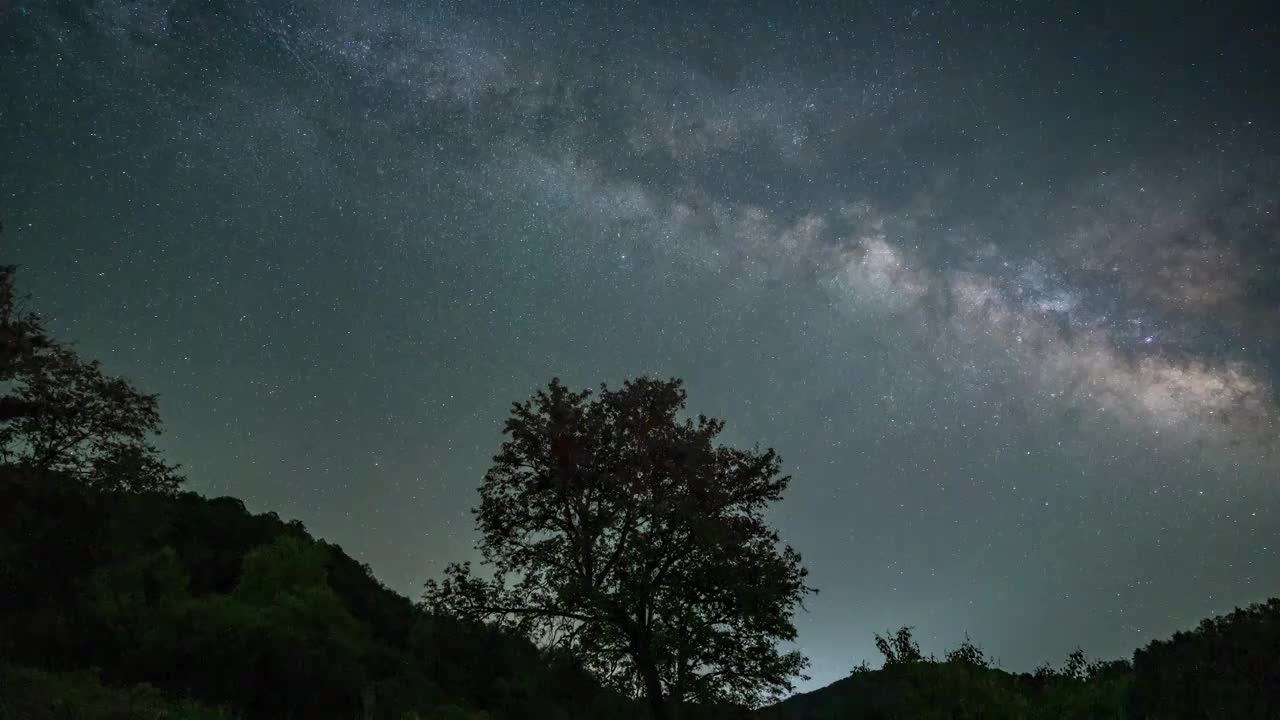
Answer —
(1001, 281)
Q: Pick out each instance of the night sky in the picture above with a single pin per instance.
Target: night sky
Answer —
(1002, 284)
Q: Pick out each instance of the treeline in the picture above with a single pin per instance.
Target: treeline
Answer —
(131, 605)
(187, 602)
(1228, 667)
(122, 597)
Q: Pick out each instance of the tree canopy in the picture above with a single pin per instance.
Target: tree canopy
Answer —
(62, 414)
(1228, 666)
(622, 532)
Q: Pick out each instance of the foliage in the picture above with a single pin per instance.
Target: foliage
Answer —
(637, 548)
(913, 686)
(899, 648)
(199, 599)
(624, 534)
(22, 335)
(35, 695)
(120, 593)
(1082, 689)
(1226, 667)
(62, 414)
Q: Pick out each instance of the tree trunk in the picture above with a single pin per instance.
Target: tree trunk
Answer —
(653, 689)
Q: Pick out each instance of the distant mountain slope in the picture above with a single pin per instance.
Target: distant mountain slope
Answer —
(922, 690)
(1227, 667)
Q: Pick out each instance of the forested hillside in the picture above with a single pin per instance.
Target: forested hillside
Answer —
(644, 567)
(1227, 667)
(204, 601)
(147, 605)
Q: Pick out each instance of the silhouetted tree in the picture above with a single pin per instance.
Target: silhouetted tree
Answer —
(1077, 666)
(622, 532)
(22, 338)
(1082, 689)
(913, 685)
(968, 654)
(62, 414)
(899, 648)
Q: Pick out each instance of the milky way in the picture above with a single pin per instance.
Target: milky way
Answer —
(1002, 287)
